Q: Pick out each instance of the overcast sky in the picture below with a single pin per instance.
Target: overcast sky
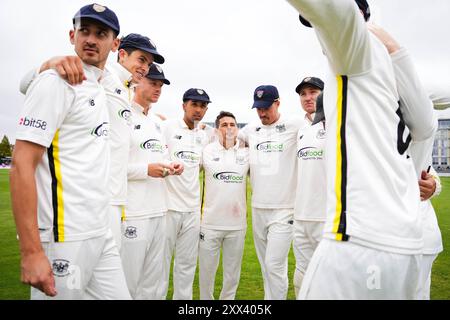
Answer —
(227, 47)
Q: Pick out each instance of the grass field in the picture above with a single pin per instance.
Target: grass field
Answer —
(251, 285)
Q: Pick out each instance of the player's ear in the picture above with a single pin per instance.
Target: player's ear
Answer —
(122, 54)
(72, 36)
(116, 43)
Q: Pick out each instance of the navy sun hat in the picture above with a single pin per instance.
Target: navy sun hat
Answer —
(196, 95)
(156, 73)
(311, 81)
(264, 96)
(135, 40)
(99, 13)
(362, 5)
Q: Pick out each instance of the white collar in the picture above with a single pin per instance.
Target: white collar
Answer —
(124, 75)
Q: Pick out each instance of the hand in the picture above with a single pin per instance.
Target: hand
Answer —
(160, 170)
(388, 41)
(37, 272)
(427, 186)
(69, 68)
(178, 167)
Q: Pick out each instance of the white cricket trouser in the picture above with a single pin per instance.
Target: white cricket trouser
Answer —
(87, 269)
(307, 235)
(232, 244)
(344, 270)
(115, 223)
(183, 229)
(272, 234)
(425, 276)
(143, 256)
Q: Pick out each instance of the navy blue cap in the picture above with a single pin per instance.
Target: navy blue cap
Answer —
(99, 13)
(265, 96)
(135, 40)
(311, 81)
(196, 95)
(156, 73)
(362, 5)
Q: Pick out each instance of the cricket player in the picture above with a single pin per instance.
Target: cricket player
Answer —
(59, 177)
(224, 212)
(310, 201)
(136, 54)
(273, 176)
(373, 229)
(185, 140)
(413, 100)
(144, 220)
(308, 90)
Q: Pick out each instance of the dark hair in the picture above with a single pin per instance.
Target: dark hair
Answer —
(129, 50)
(224, 114)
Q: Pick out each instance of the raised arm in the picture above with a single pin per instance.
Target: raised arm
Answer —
(415, 105)
(342, 33)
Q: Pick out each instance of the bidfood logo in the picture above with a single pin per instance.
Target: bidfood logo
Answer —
(229, 177)
(270, 146)
(101, 130)
(187, 156)
(124, 114)
(153, 145)
(310, 153)
(35, 123)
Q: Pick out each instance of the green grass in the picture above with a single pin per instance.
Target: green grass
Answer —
(440, 276)
(251, 284)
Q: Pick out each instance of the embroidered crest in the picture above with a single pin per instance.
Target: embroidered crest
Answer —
(60, 267)
(321, 134)
(280, 128)
(131, 232)
(98, 8)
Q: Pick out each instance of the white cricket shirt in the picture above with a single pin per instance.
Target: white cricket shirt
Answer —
(147, 196)
(372, 191)
(224, 193)
(119, 96)
(185, 146)
(72, 178)
(310, 201)
(273, 163)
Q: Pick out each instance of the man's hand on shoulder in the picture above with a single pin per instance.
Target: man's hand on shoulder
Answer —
(69, 68)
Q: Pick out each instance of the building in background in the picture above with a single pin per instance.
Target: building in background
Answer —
(441, 148)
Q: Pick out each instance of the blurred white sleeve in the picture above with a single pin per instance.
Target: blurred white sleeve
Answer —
(415, 105)
(342, 33)
(26, 81)
(137, 171)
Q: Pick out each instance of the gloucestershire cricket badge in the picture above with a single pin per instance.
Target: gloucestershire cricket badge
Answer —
(131, 232)
(321, 134)
(60, 267)
(260, 93)
(280, 128)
